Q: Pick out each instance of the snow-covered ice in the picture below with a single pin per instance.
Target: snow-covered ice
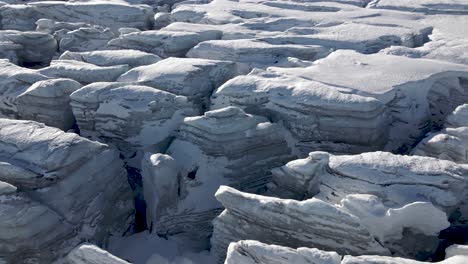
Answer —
(251, 251)
(132, 117)
(452, 142)
(225, 146)
(169, 131)
(132, 58)
(194, 78)
(44, 164)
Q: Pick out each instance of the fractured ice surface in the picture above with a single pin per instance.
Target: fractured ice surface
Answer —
(194, 78)
(291, 223)
(454, 7)
(14, 80)
(91, 254)
(48, 102)
(455, 250)
(83, 72)
(396, 179)
(132, 117)
(28, 226)
(9, 51)
(255, 52)
(26, 94)
(113, 15)
(132, 58)
(389, 260)
(283, 226)
(250, 252)
(388, 223)
(452, 142)
(76, 36)
(447, 42)
(367, 109)
(30, 47)
(226, 146)
(43, 165)
(162, 42)
(279, 15)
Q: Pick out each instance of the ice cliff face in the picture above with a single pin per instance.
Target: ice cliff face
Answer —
(39, 166)
(132, 117)
(225, 146)
(113, 15)
(291, 223)
(48, 102)
(249, 251)
(451, 143)
(365, 111)
(194, 78)
(360, 224)
(90, 254)
(132, 58)
(27, 47)
(396, 179)
(14, 81)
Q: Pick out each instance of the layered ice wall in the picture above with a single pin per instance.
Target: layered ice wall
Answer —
(132, 58)
(367, 110)
(14, 81)
(113, 15)
(226, 146)
(396, 179)
(132, 117)
(250, 251)
(40, 165)
(48, 102)
(452, 142)
(27, 47)
(91, 254)
(360, 224)
(312, 223)
(194, 78)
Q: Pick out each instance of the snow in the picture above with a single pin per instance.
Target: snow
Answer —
(250, 252)
(30, 46)
(254, 52)
(133, 58)
(447, 42)
(133, 117)
(388, 223)
(291, 223)
(451, 143)
(456, 250)
(207, 150)
(376, 106)
(48, 102)
(83, 72)
(194, 78)
(376, 74)
(90, 254)
(146, 248)
(455, 7)
(46, 164)
(109, 14)
(390, 260)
